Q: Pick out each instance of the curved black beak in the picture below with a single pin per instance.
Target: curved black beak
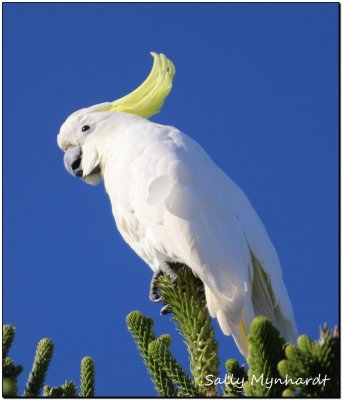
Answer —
(72, 161)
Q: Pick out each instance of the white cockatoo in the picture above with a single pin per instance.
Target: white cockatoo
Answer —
(172, 204)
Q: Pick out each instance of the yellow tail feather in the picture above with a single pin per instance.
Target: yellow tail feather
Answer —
(244, 336)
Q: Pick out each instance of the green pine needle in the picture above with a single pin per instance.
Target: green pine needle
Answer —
(69, 389)
(266, 349)
(53, 392)
(10, 371)
(87, 377)
(288, 393)
(141, 329)
(159, 351)
(8, 333)
(312, 360)
(236, 375)
(9, 387)
(39, 369)
(187, 302)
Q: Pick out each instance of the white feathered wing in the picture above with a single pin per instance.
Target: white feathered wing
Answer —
(171, 202)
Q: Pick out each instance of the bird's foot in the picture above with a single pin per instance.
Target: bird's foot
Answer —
(164, 269)
(165, 310)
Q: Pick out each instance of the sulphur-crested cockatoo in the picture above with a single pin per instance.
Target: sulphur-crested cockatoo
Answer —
(172, 204)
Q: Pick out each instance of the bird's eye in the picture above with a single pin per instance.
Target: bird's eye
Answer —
(85, 128)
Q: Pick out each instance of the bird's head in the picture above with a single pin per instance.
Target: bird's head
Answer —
(78, 134)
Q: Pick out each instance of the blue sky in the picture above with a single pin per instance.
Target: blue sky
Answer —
(256, 85)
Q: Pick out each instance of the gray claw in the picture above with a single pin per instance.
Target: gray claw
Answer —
(165, 310)
(155, 297)
(164, 269)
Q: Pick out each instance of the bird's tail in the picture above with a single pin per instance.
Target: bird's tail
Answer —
(231, 321)
(236, 316)
(266, 301)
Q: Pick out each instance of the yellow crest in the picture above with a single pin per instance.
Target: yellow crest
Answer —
(148, 98)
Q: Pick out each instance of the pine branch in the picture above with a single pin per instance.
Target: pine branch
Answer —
(53, 392)
(9, 387)
(159, 350)
(68, 389)
(10, 371)
(313, 360)
(187, 302)
(288, 393)
(87, 377)
(329, 357)
(236, 376)
(8, 333)
(39, 369)
(266, 349)
(141, 329)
